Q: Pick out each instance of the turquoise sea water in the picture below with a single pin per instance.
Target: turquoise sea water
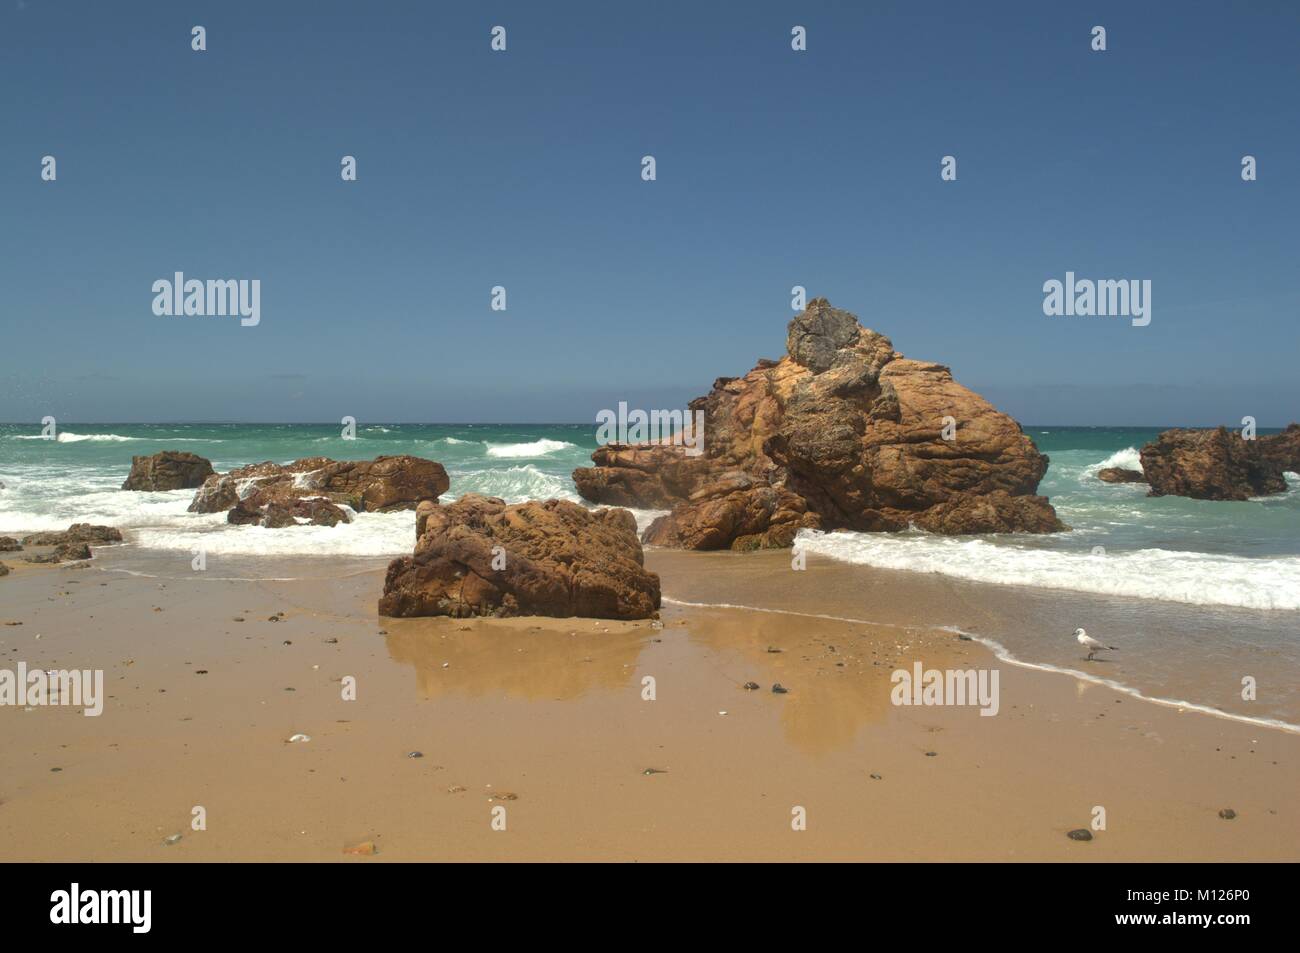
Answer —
(1197, 593)
(1124, 543)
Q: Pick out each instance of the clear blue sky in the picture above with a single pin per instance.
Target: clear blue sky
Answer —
(522, 169)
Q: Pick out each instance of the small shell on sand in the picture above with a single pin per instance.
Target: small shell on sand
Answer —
(299, 737)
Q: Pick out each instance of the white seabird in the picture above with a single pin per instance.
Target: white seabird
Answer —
(1092, 645)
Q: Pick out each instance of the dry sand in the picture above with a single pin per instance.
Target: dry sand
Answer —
(546, 719)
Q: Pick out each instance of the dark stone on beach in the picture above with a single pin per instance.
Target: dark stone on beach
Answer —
(168, 470)
(4, 570)
(876, 777)
(71, 551)
(480, 556)
(780, 689)
(650, 771)
(76, 533)
(1213, 465)
(1120, 475)
(41, 558)
(1227, 814)
(9, 545)
(842, 433)
(415, 754)
(1081, 833)
(932, 754)
(751, 686)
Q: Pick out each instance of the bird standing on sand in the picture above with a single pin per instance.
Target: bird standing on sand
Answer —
(1092, 645)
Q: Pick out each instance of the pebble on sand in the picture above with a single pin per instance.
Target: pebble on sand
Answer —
(780, 689)
(293, 739)
(366, 848)
(1081, 833)
(1227, 814)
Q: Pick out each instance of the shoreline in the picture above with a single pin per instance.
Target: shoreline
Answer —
(551, 711)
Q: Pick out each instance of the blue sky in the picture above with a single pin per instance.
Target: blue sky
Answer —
(522, 169)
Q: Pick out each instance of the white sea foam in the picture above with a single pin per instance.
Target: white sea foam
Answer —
(1189, 577)
(537, 448)
(513, 484)
(369, 534)
(1128, 459)
(67, 436)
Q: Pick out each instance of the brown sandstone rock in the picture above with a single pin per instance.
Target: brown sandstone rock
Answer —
(843, 432)
(560, 559)
(379, 485)
(256, 508)
(64, 552)
(76, 533)
(4, 570)
(168, 470)
(1212, 465)
(9, 545)
(1283, 448)
(1120, 475)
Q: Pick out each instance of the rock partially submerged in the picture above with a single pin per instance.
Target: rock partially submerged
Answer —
(259, 491)
(168, 470)
(76, 533)
(1120, 475)
(841, 433)
(480, 556)
(1217, 464)
(315, 511)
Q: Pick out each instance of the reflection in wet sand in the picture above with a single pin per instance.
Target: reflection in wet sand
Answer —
(528, 659)
(837, 674)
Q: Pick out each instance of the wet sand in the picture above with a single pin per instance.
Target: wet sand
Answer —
(546, 719)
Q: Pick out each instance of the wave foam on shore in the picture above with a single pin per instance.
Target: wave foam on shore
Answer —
(1175, 576)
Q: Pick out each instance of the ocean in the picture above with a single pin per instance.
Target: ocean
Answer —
(1199, 593)
(1124, 543)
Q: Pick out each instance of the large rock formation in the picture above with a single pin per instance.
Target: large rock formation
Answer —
(1218, 464)
(482, 556)
(843, 432)
(379, 485)
(1283, 448)
(168, 470)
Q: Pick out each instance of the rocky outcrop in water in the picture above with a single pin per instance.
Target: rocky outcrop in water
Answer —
(254, 509)
(168, 470)
(480, 556)
(1120, 475)
(76, 533)
(371, 486)
(1216, 464)
(1283, 448)
(841, 433)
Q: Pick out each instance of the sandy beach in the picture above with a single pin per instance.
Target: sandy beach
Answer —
(547, 719)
